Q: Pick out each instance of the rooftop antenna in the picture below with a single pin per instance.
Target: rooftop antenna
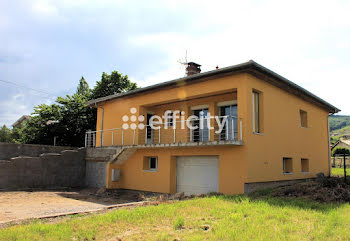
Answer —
(183, 62)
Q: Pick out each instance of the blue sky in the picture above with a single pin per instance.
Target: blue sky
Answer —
(49, 45)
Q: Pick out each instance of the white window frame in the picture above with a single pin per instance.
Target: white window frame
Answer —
(149, 164)
(170, 122)
(253, 106)
(233, 129)
(195, 108)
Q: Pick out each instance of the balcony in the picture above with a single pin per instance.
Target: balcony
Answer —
(201, 131)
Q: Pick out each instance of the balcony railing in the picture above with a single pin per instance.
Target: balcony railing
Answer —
(202, 130)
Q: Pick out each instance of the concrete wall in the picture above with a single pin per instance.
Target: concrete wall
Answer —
(96, 174)
(48, 170)
(256, 186)
(9, 150)
(96, 165)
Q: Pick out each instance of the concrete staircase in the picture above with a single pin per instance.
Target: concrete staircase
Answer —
(97, 160)
(122, 155)
(113, 155)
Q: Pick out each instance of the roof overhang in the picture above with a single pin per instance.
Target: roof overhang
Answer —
(250, 67)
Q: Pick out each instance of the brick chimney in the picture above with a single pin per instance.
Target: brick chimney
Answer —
(193, 68)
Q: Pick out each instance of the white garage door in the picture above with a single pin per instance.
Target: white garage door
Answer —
(197, 174)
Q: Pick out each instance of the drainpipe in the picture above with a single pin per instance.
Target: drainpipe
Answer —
(102, 110)
(329, 148)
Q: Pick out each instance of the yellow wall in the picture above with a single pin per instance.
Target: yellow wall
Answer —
(183, 135)
(232, 169)
(258, 160)
(283, 136)
(115, 109)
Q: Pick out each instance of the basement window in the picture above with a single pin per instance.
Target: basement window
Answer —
(150, 164)
(287, 165)
(304, 165)
(303, 118)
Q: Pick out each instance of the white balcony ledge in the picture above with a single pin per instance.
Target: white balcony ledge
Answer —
(187, 144)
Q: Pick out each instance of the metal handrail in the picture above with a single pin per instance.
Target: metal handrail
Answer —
(204, 134)
(165, 123)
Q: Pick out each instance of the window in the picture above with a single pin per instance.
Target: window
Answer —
(115, 175)
(287, 165)
(303, 118)
(150, 164)
(171, 119)
(304, 165)
(229, 131)
(201, 132)
(256, 112)
(149, 130)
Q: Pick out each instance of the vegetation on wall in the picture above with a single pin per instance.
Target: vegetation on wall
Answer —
(69, 117)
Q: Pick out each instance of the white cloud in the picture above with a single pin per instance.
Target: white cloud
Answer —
(46, 10)
(44, 7)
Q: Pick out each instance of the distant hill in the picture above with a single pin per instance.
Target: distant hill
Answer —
(337, 122)
(339, 125)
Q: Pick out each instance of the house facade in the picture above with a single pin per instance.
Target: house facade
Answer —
(21, 120)
(218, 131)
(342, 143)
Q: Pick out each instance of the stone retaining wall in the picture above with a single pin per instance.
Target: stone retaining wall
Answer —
(48, 170)
(9, 150)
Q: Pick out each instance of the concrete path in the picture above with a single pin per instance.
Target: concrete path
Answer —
(21, 205)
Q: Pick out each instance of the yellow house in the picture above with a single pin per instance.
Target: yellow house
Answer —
(229, 130)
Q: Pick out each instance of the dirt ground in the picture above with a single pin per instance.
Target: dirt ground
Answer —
(19, 205)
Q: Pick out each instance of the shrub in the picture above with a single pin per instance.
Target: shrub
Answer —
(179, 223)
(340, 151)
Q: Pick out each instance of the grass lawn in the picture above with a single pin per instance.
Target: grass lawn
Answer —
(339, 172)
(227, 217)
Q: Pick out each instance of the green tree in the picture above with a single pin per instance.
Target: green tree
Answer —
(114, 83)
(5, 134)
(43, 125)
(17, 133)
(69, 118)
(83, 88)
(76, 119)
